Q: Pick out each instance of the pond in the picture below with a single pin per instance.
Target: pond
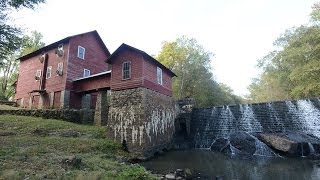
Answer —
(212, 164)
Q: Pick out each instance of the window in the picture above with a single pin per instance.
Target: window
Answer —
(59, 69)
(159, 75)
(86, 72)
(126, 70)
(81, 52)
(38, 75)
(48, 75)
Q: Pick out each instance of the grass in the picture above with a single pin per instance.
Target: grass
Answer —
(7, 107)
(36, 148)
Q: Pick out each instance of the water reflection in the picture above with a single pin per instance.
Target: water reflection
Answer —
(212, 164)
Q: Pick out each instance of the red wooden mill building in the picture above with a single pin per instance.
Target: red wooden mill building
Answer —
(69, 73)
(130, 91)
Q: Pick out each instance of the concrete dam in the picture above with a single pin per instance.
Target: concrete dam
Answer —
(208, 124)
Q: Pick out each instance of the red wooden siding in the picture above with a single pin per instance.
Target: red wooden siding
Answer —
(93, 60)
(136, 80)
(150, 79)
(92, 83)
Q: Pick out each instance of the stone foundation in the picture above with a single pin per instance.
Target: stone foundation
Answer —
(83, 116)
(142, 119)
(102, 108)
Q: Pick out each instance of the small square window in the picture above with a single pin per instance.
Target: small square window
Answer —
(126, 70)
(86, 72)
(81, 52)
(159, 75)
(48, 75)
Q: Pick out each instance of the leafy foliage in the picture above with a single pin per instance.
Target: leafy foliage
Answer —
(10, 35)
(192, 64)
(293, 70)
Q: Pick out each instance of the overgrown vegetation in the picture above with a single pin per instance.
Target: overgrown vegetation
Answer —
(292, 70)
(36, 148)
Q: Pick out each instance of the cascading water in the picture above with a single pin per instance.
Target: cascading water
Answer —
(262, 149)
(310, 117)
(248, 122)
(226, 122)
(278, 117)
(311, 148)
(274, 118)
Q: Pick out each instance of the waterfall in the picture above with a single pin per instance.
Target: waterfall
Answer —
(311, 148)
(262, 149)
(274, 117)
(302, 155)
(220, 122)
(226, 122)
(248, 122)
(310, 117)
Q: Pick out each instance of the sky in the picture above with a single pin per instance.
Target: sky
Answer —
(238, 33)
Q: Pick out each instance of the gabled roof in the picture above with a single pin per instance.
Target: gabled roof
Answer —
(55, 44)
(144, 54)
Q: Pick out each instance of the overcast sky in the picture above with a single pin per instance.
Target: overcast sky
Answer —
(238, 32)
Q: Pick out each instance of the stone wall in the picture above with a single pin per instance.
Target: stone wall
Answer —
(84, 116)
(209, 123)
(142, 118)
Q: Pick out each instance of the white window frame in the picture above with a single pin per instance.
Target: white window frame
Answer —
(159, 76)
(84, 72)
(49, 72)
(60, 67)
(83, 50)
(126, 71)
(38, 74)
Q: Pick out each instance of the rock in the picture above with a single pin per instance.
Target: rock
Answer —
(279, 143)
(220, 144)
(244, 142)
(71, 162)
(70, 133)
(179, 173)
(188, 173)
(170, 176)
(292, 143)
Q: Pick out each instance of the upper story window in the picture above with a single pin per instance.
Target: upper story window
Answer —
(60, 69)
(126, 70)
(48, 75)
(38, 75)
(81, 52)
(159, 75)
(86, 72)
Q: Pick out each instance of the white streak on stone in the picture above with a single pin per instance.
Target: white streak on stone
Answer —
(141, 134)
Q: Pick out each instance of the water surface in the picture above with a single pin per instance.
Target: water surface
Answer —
(211, 164)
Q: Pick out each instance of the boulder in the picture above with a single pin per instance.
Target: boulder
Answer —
(220, 144)
(244, 142)
(292, 143)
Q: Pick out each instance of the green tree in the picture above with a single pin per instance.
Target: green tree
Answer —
(10, 35)
(8, 70)
(293, 70)
(192, 64)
